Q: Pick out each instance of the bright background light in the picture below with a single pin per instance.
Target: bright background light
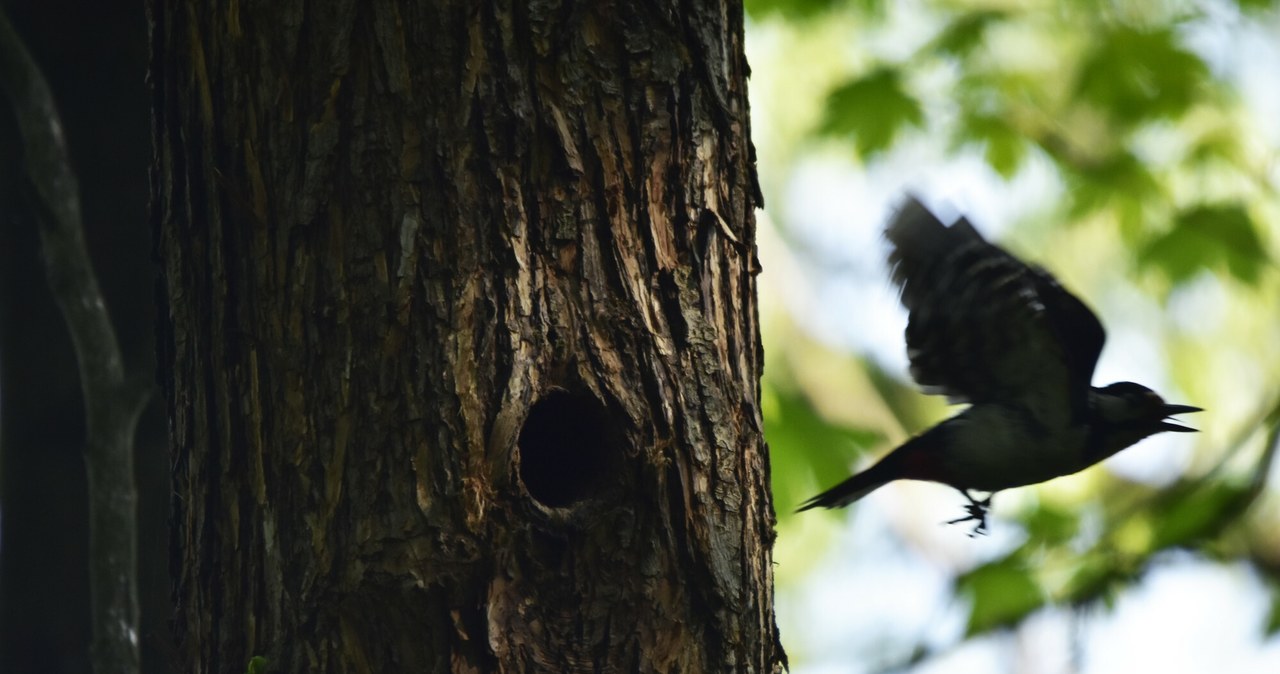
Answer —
(865, 589)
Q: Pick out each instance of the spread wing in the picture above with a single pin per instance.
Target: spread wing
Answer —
(984, 326)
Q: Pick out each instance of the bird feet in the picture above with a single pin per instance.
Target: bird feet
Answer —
(977, 511)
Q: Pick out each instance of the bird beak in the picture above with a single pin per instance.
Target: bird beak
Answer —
(1170, 410)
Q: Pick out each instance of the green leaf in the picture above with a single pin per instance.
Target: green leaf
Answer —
(1135, 75)
(1003, 148)
(790, 9)
(1208, 236)
(872, 110)
(1273, 619)
(1120, 184)
(965, 33)
(1003, 593)
(1096, 577)
(804, 448)
(1122, 174)
(1220, 146)
(257, 665)
(1051, 525)
(1255, 5)
(1199, 512)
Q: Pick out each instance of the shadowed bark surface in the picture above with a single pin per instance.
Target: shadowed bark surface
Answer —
(461, 351)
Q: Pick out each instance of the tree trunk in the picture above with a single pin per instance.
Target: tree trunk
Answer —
(461, 352)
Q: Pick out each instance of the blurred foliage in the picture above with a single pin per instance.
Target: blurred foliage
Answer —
(1273, 620)
(1100, 80)
(791, 9)
(796, 430)
(1218, 236)
(808, 444)
(1002, 593)
(1166, 185)
(871, 110)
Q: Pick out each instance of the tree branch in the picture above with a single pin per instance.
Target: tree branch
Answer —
(112, 403)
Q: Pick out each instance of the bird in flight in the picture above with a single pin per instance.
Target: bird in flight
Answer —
(988, 329)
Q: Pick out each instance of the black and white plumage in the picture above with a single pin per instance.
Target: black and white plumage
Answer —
(987, 329)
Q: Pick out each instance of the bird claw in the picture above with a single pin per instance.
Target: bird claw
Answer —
(977, 511)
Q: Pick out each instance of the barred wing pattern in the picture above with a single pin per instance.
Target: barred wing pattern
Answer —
(984, 327)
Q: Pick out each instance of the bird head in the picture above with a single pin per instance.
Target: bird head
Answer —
(1125, 413)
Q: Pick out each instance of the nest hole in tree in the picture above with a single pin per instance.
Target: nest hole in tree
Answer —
(568, 450)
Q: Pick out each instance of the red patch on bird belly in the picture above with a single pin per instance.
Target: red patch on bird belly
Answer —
(919, 463)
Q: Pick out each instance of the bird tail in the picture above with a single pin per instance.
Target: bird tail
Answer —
(852, 489)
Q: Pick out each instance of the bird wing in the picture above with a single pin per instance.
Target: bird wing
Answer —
(984, 326)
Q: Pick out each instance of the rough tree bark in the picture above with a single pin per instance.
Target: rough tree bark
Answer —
(461, 351)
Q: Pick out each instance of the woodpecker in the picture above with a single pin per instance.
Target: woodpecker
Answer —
(987, 329)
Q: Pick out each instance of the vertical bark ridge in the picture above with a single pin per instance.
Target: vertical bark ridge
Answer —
(392, 235)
